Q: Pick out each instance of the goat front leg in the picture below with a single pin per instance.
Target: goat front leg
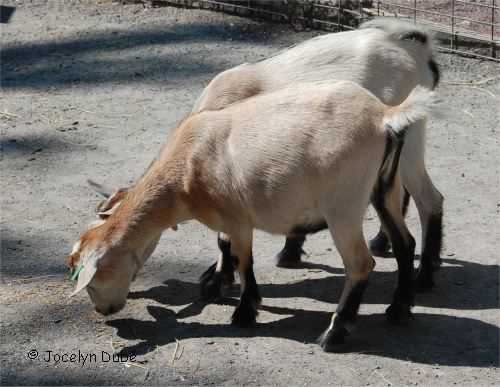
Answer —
(241, 247)
(348, 238)
(290, 254)
(220, 276)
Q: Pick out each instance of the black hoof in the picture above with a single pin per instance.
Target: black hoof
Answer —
(333, 340)
(398, 313)
(423, 281)
(289, 257)
(380, 246)
(245, 315)
(212, 290)
(211, 285)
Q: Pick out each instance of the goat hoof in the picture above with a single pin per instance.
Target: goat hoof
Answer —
(424, 281)
(398, 312)
(380, 246)
(244, 316)
(333, 340)
(211, 285)
(289, 258)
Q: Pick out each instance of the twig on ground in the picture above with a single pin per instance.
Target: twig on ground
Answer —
(86, 111)
(180, 355)
(483, 145)
(49, 120)
(175, 351)
(383, 377)
(483, 90)
(9, 114)
(112, 346)
(468, 113)
(353, 370)
(494, 79)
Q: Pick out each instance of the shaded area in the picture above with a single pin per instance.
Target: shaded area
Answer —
(27, 255)
(6, 13)
(463, 286)
(429, 339)
(89, 59)
(35, 145)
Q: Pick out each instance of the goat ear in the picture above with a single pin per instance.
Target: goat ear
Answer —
(102, 189)
(87, 273)
(107, 208)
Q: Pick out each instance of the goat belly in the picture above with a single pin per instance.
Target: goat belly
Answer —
(277, 222)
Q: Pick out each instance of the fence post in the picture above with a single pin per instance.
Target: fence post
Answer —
(493, 50)
(453, 42)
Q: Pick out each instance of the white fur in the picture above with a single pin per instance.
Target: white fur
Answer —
(377, 57)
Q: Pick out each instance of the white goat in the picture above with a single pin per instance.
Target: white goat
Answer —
(294, 158)
(389, 57)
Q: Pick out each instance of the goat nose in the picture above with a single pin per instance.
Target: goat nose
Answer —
(104, 312)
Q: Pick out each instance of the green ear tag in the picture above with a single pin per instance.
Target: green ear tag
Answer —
(77, 271)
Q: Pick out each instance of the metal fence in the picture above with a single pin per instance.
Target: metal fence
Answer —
(467, 27)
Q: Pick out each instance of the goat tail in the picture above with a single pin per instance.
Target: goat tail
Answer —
(397, 120)
(420, 104)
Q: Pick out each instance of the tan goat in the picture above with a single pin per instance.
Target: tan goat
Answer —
(388, 57)
(294, 158)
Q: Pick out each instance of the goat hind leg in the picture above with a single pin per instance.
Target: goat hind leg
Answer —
(289, 256)
(219, 276)
(386, 199)
(359, 264)
(380, 245)
(429, 202)
(241, 247)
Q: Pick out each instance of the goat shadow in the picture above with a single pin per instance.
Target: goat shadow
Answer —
(460, 285)
(428, 338)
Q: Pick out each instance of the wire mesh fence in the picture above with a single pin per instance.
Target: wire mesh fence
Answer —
(467, 27)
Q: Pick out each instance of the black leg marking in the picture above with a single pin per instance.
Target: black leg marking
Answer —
(290, 255)
(246, 312)
(404, 251)
(229, 262)
(333, 338)
(380, 245)
(403, 300)
(213, 283)
(430, 260)
(402, 245)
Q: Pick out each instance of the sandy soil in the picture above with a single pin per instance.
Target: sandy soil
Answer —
(92, 90)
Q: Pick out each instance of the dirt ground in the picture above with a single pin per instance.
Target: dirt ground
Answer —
(92, 90)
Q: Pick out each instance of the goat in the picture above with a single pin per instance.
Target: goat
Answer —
(303, 157)
(389, 57)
